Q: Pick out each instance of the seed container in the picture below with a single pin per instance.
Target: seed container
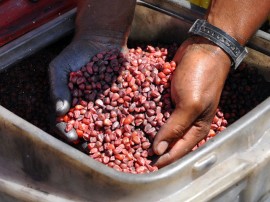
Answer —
(233, 166)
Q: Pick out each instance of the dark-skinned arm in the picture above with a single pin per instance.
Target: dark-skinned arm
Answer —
(202, 68)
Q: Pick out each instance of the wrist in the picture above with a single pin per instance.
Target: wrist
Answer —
(222, 39)
(214, 51)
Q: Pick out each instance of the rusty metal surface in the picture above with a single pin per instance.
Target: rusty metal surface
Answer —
(21, 16)
(36, 39)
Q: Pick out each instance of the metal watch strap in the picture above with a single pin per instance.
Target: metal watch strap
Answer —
(220, 38)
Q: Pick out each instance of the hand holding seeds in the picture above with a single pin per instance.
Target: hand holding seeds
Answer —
(196, 87)
(96, 31)
(119, 106)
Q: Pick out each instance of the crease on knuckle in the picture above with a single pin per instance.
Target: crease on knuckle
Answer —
(178, 131)
(202, 131)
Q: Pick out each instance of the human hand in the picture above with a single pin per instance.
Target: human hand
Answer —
(96, 31)
(71, 59)
(197, 83)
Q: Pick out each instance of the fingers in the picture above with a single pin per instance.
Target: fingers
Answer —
(182, 131)
(70, 59)
(183, 146)
(175, 127)
(59, 89)
(70, 136)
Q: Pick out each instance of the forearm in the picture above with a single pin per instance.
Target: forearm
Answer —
(105, 15)
(239, 18)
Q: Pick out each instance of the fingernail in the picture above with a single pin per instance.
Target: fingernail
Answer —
(70, 136)
(59, 105)
(162, 147)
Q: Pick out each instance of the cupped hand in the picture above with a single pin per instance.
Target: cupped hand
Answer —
(197, 83)
(100, 26)
(71, 59)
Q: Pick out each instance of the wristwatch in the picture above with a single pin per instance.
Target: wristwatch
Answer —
(230, 45)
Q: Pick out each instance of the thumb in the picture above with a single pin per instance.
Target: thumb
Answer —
(175, 127)
(60, 94)
(70, 59)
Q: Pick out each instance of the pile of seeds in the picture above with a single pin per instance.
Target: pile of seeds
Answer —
(120, 103)
(28, 81)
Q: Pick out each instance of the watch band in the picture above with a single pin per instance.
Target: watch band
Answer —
(220, 38)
